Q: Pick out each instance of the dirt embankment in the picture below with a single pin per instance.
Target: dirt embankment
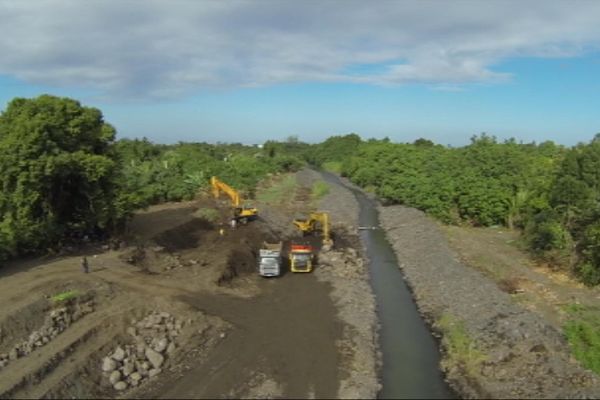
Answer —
(492, 346)
(347, 271)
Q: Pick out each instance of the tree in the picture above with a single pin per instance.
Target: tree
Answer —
(59, 174)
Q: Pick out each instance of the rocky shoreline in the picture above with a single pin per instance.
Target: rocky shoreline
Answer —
(492, 347)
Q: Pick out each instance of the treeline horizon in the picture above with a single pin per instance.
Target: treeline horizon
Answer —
(65, 175)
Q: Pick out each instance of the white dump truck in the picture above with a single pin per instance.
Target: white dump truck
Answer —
(269, 263)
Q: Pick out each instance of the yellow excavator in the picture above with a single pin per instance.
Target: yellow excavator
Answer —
(241, 213)
(312, 224)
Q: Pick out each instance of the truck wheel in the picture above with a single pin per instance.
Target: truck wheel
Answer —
(244, 220)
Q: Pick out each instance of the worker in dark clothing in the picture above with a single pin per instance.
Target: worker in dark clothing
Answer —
(84, 265)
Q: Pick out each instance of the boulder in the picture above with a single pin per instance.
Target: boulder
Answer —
(161, 345)
(136, 376)
(128, 367)
(114, 377)
(156, 359)
(120, 385)
(108, 364)
(154, 372)
(171, 348)
(119, 354)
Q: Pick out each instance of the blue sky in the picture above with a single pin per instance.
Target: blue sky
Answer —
(253, 71)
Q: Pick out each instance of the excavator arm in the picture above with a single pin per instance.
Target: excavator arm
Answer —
(240, 212)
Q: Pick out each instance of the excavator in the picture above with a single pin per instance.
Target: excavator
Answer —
(241, 213)
(312, 224)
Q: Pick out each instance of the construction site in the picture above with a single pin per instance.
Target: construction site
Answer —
(203, 299)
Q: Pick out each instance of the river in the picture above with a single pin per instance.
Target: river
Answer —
(410, 352)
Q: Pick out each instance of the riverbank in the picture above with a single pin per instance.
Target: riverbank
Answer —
(347, 273)
(493, 347)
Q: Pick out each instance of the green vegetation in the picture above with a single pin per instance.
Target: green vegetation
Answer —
(583, 334)
(550, 192)
(209, 214)
(279, 192)
(64, 176)
(461, 349)
(60, 175)
(333, 166)
(64, 296)
(319, 190)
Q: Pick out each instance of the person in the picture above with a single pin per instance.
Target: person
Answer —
(84, 265)
(233, 223)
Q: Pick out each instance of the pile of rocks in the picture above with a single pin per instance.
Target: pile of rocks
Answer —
(153, 341)
(346, 263)
(56, 321)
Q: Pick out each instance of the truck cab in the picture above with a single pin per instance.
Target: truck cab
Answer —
(301, 258)
(269, 262)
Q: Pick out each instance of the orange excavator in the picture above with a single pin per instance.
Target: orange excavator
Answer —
(241, 213)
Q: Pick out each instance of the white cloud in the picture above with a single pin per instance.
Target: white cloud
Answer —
(150, 48)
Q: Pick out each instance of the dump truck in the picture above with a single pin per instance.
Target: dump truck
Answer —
(269, 263)
(301, 258)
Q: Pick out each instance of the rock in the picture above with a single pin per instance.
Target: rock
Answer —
(120, 386)
(171, 348)
(156, 359)
(114, 377)
(128, 367)
(119, 354)
(154, 372)
(222, 335)
(108, 364)
(136, 376)
(132, 331)
(161, 345)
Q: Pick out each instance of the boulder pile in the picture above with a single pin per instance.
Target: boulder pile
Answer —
(56, 321)
(153, 342)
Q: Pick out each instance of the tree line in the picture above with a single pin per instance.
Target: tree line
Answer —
(550, 192)
(65, 176)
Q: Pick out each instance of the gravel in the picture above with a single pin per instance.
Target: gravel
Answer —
(347, 272)
(524, 356)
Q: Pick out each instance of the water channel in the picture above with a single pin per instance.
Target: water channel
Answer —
(410, 352)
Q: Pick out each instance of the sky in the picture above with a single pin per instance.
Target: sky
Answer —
(250, 71)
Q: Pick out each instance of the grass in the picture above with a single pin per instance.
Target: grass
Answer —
(583, 334)
(319, 190)
(64, 296)
(333, 166)
(209, 214)
(461, 349)
(279, 192)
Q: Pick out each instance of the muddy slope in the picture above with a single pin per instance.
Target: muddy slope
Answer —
(521, 355)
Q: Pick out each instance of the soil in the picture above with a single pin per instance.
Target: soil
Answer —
(245, 336)
(522, 352)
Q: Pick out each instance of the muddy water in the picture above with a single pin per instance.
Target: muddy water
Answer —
(409, 351)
